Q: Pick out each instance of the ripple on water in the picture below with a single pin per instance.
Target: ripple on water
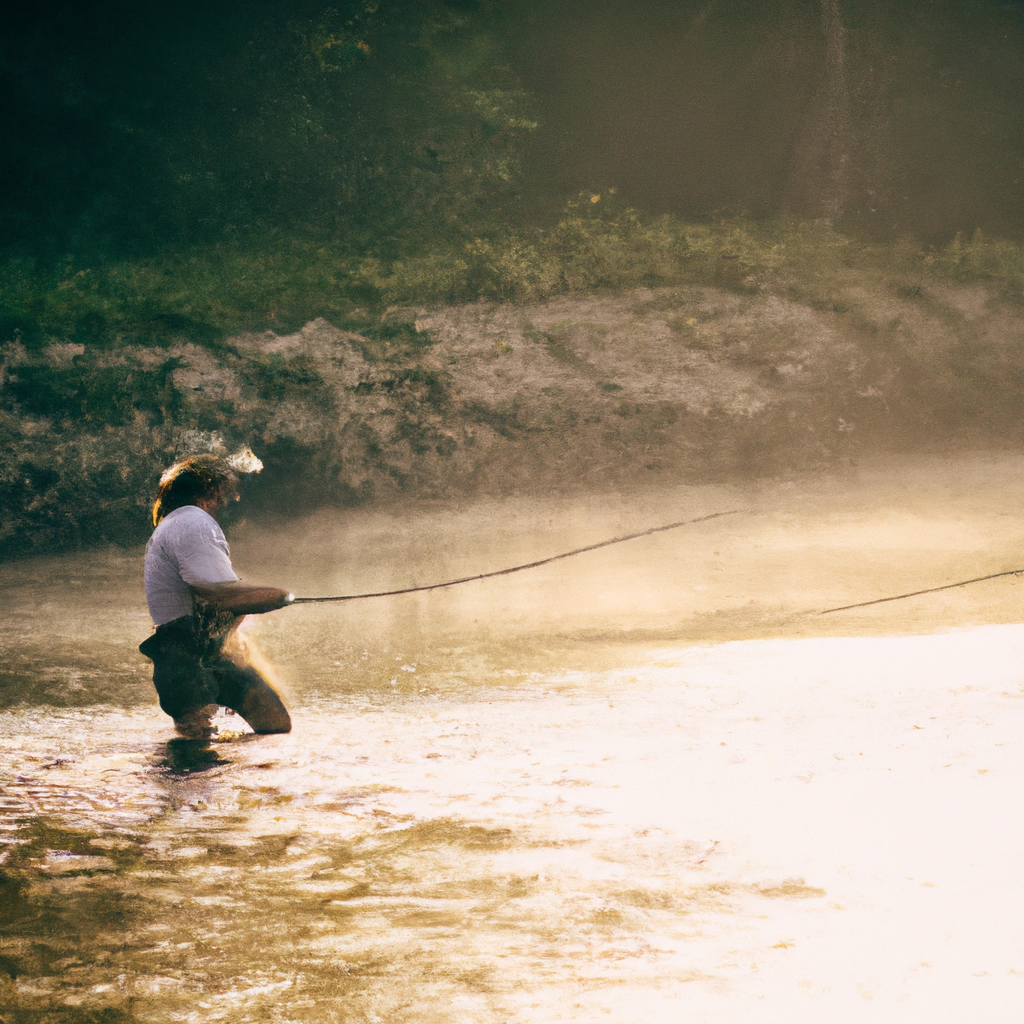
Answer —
(388, 861)
(477, 820)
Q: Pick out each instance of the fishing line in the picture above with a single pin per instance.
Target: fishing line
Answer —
(636, 536)
(915, 593)
(520, 568)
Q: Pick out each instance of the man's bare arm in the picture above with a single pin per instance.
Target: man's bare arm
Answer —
(242, 598)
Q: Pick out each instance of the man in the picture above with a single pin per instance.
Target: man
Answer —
(196, 602)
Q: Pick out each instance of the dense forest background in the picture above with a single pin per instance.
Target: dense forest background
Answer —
(129, 129)
(176, 174)
(381, 129)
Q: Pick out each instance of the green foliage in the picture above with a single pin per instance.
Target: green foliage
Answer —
(84, 433)
(279, 282)
(600, 244)
(980, 258)
(278, 379)
(372, 120)
(106, 395)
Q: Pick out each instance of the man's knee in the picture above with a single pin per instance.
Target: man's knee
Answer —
(264, 710)
(245, 691)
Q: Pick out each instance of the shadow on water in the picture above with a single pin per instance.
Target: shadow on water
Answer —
(183, 757)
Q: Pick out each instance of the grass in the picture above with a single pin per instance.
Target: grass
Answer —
(273, 283)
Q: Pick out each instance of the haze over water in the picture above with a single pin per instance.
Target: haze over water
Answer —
(549, 796)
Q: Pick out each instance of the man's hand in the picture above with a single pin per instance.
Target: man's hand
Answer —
(241, 598)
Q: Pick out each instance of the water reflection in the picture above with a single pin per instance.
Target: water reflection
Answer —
(181, 756)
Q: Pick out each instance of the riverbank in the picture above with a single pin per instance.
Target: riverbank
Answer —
(757, 366)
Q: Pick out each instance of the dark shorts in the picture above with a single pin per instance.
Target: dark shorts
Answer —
(186, 678)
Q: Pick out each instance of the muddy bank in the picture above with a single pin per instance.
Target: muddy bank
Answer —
(690, 383)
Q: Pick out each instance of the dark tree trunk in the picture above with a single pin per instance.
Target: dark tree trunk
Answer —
(836, 128)
(820, 182)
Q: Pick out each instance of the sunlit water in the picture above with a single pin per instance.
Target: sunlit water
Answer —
(545, 797)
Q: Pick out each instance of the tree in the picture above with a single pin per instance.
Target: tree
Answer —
(378, 117)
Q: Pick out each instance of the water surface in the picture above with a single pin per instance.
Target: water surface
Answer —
(639, 785)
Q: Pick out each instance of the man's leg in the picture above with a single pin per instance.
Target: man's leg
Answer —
(181, 684)
(197, 724)
(246, 692)
(185, 696)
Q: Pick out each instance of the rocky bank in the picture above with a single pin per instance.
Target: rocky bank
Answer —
(689, 382)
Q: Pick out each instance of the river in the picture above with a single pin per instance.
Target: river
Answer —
(643, 784)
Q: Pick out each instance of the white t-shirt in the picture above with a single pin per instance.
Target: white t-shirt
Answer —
(187, 548)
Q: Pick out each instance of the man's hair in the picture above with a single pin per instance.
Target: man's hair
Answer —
(195, 478)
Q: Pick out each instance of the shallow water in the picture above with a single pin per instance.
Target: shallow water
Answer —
(550, 796)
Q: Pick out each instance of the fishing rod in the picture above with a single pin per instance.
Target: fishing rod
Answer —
(520, 568)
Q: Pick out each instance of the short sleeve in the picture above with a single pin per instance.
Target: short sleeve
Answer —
(203, 557)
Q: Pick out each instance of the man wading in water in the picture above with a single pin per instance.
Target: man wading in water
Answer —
(196, 602)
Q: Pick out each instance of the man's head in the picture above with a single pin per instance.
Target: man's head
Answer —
(207, 481)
